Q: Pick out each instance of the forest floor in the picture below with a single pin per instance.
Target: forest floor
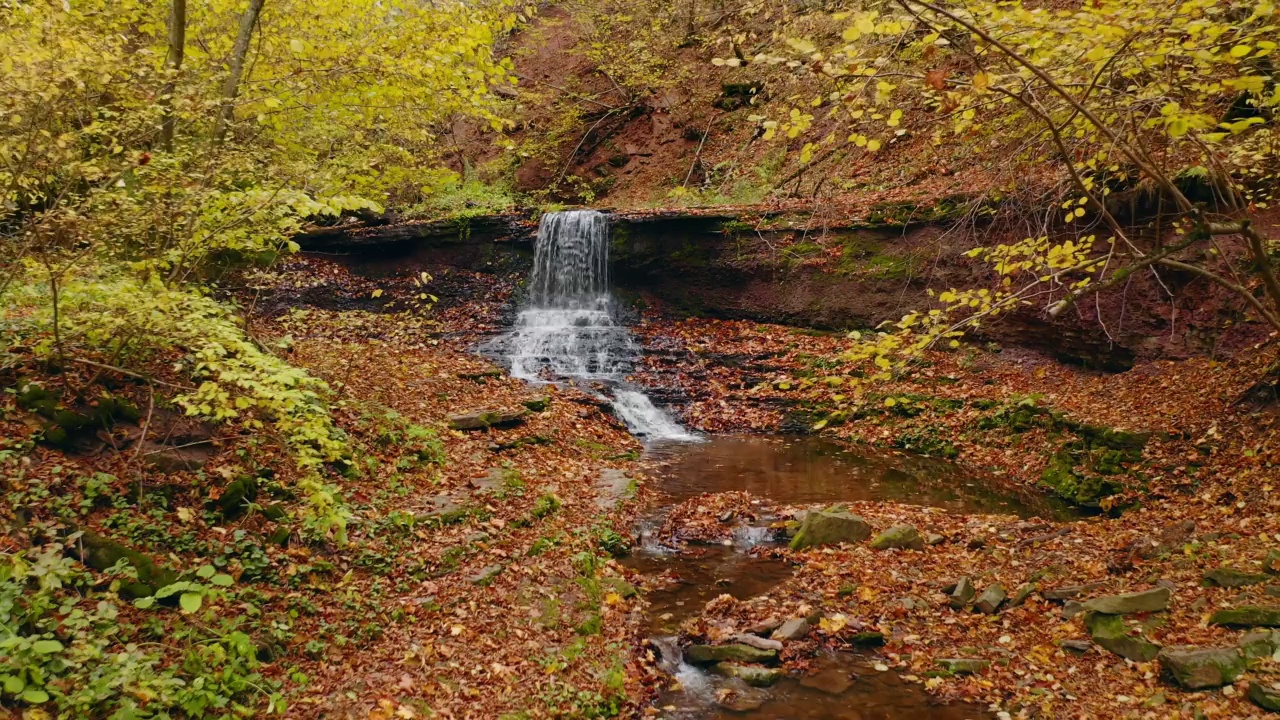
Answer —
(478, 581)
(1200, 496)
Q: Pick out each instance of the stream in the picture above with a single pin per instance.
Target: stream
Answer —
(567, 331)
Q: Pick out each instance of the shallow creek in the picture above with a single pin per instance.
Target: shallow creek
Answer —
(793, 471)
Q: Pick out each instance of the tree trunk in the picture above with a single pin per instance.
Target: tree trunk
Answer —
(177, 48)
(238, 53)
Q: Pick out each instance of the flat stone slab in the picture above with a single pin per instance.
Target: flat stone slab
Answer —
(899, 537)
(963, 666)
(1248, 616)
(1153, 600)
(612, 487)
(756, 641)
(1266, 697)
(1229, 577)
(1068, 592)
(733, 652)
(793, 629)
(483, 419)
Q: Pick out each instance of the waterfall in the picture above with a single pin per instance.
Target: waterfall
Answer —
(567, 330)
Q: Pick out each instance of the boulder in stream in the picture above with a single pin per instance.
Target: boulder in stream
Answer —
(830, 528)
(733, 652)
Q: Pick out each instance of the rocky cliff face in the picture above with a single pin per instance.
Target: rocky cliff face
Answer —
(779, 269)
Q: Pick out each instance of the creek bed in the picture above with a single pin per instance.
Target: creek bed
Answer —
(791, 470)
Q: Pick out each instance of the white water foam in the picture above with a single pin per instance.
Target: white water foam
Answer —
(568, 330)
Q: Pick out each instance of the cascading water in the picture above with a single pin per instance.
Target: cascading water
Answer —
(568, 331)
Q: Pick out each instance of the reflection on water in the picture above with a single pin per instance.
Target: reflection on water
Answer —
(700, 574)
(791, 470)
(800, 470)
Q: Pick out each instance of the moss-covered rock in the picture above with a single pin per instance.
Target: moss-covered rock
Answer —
(235, 499)
(733, 652)
(102, 554)
(830, 528)
(1111, 633)
(900, 537)
(1247, 616)
(1061, 477)
(1200, 668)
(1229, 577)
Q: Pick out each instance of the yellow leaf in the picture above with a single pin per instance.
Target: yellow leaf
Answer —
(873, 145)
(981, 81)
(377, 293)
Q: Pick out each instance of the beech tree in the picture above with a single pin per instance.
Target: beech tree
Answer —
(140, 141)
(1120, 96)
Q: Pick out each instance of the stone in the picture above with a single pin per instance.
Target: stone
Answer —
(867, 638)
(492, 482)
(100, 553)
(538, 404)
(793, 629)
(1260, 644)
(830, 528)
(236, 497)
(1229, 577)
(898, 537)
(1266, 697)
(962, 595)
(1067, 592)
(766, 626)
(991, 599)
(1110, 632)
(1076, 646)
(741, 700)
(1199, 668)
(933, 539)
(756, 641)
(963, 666)
(483, 419)
(1071, 608)
(733, 652)
(623, 588)
(1021, 596)
(486, 576)
(753, 675)
(1247, 616)
(612, 487)
(1271, 563)
(1153, 600)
